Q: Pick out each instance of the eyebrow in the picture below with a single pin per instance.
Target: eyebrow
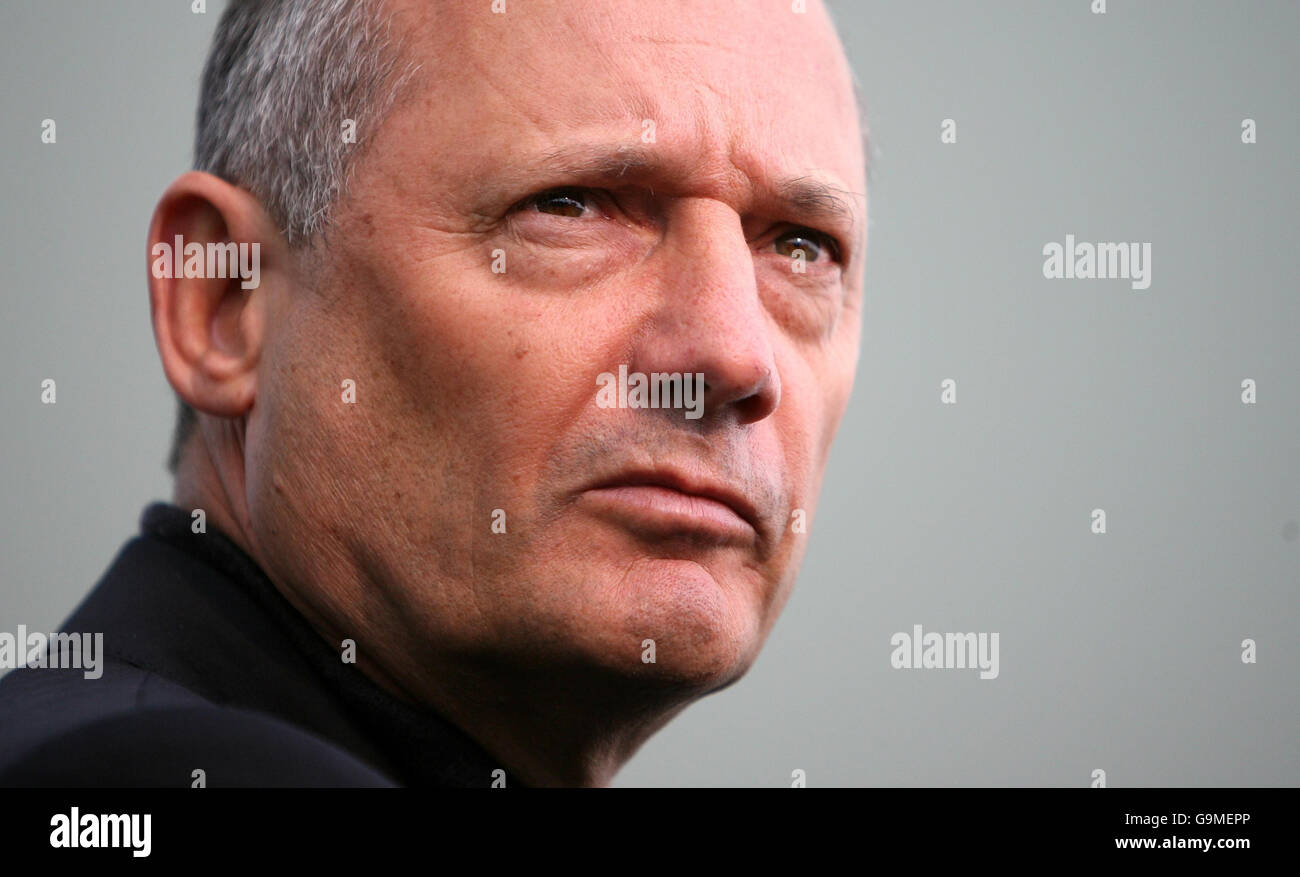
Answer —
(808, 196)
(804, 197)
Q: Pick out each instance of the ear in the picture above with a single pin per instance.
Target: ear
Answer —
(209, 299)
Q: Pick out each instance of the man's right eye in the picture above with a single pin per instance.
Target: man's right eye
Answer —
(559, 202)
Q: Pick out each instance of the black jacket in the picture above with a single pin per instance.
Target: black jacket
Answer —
(207, 667)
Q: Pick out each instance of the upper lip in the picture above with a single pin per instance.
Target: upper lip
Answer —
(692, 485)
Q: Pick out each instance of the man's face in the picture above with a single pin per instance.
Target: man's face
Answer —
(638, 174)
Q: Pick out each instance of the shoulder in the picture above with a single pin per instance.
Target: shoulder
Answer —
(144, 731)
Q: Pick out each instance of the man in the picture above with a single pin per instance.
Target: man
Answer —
(506, 449)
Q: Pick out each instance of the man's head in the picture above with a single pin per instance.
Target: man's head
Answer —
(403, 422)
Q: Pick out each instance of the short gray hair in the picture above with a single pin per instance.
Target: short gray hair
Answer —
(281, 78)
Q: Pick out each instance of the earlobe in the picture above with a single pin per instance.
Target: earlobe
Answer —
(213, 253)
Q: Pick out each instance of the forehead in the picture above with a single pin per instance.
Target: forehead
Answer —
(729, 90)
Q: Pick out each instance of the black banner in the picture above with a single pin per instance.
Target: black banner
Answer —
(238, 826)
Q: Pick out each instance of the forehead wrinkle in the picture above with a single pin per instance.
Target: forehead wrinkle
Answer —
(601, 161)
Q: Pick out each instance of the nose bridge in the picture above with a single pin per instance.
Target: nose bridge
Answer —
(708, 317)
(712, 269)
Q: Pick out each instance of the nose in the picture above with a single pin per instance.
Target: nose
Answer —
(708, 317)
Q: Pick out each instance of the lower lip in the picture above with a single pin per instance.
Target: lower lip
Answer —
(661, 512)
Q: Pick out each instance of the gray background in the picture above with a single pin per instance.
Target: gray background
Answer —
(1119, 651)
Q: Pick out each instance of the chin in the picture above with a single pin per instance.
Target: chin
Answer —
(702, 631)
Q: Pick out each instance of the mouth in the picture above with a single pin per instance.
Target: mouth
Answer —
(667, 504)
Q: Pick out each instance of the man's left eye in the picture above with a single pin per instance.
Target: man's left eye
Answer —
(814, 244)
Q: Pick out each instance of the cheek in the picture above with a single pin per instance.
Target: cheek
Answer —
(842, 373)
(807, 308)
(477, 378)
(829, 368)
(568, 263)
(801, 421)
(815, 386)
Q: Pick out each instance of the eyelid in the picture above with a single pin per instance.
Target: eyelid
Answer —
(589, 195)
(829, 241)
